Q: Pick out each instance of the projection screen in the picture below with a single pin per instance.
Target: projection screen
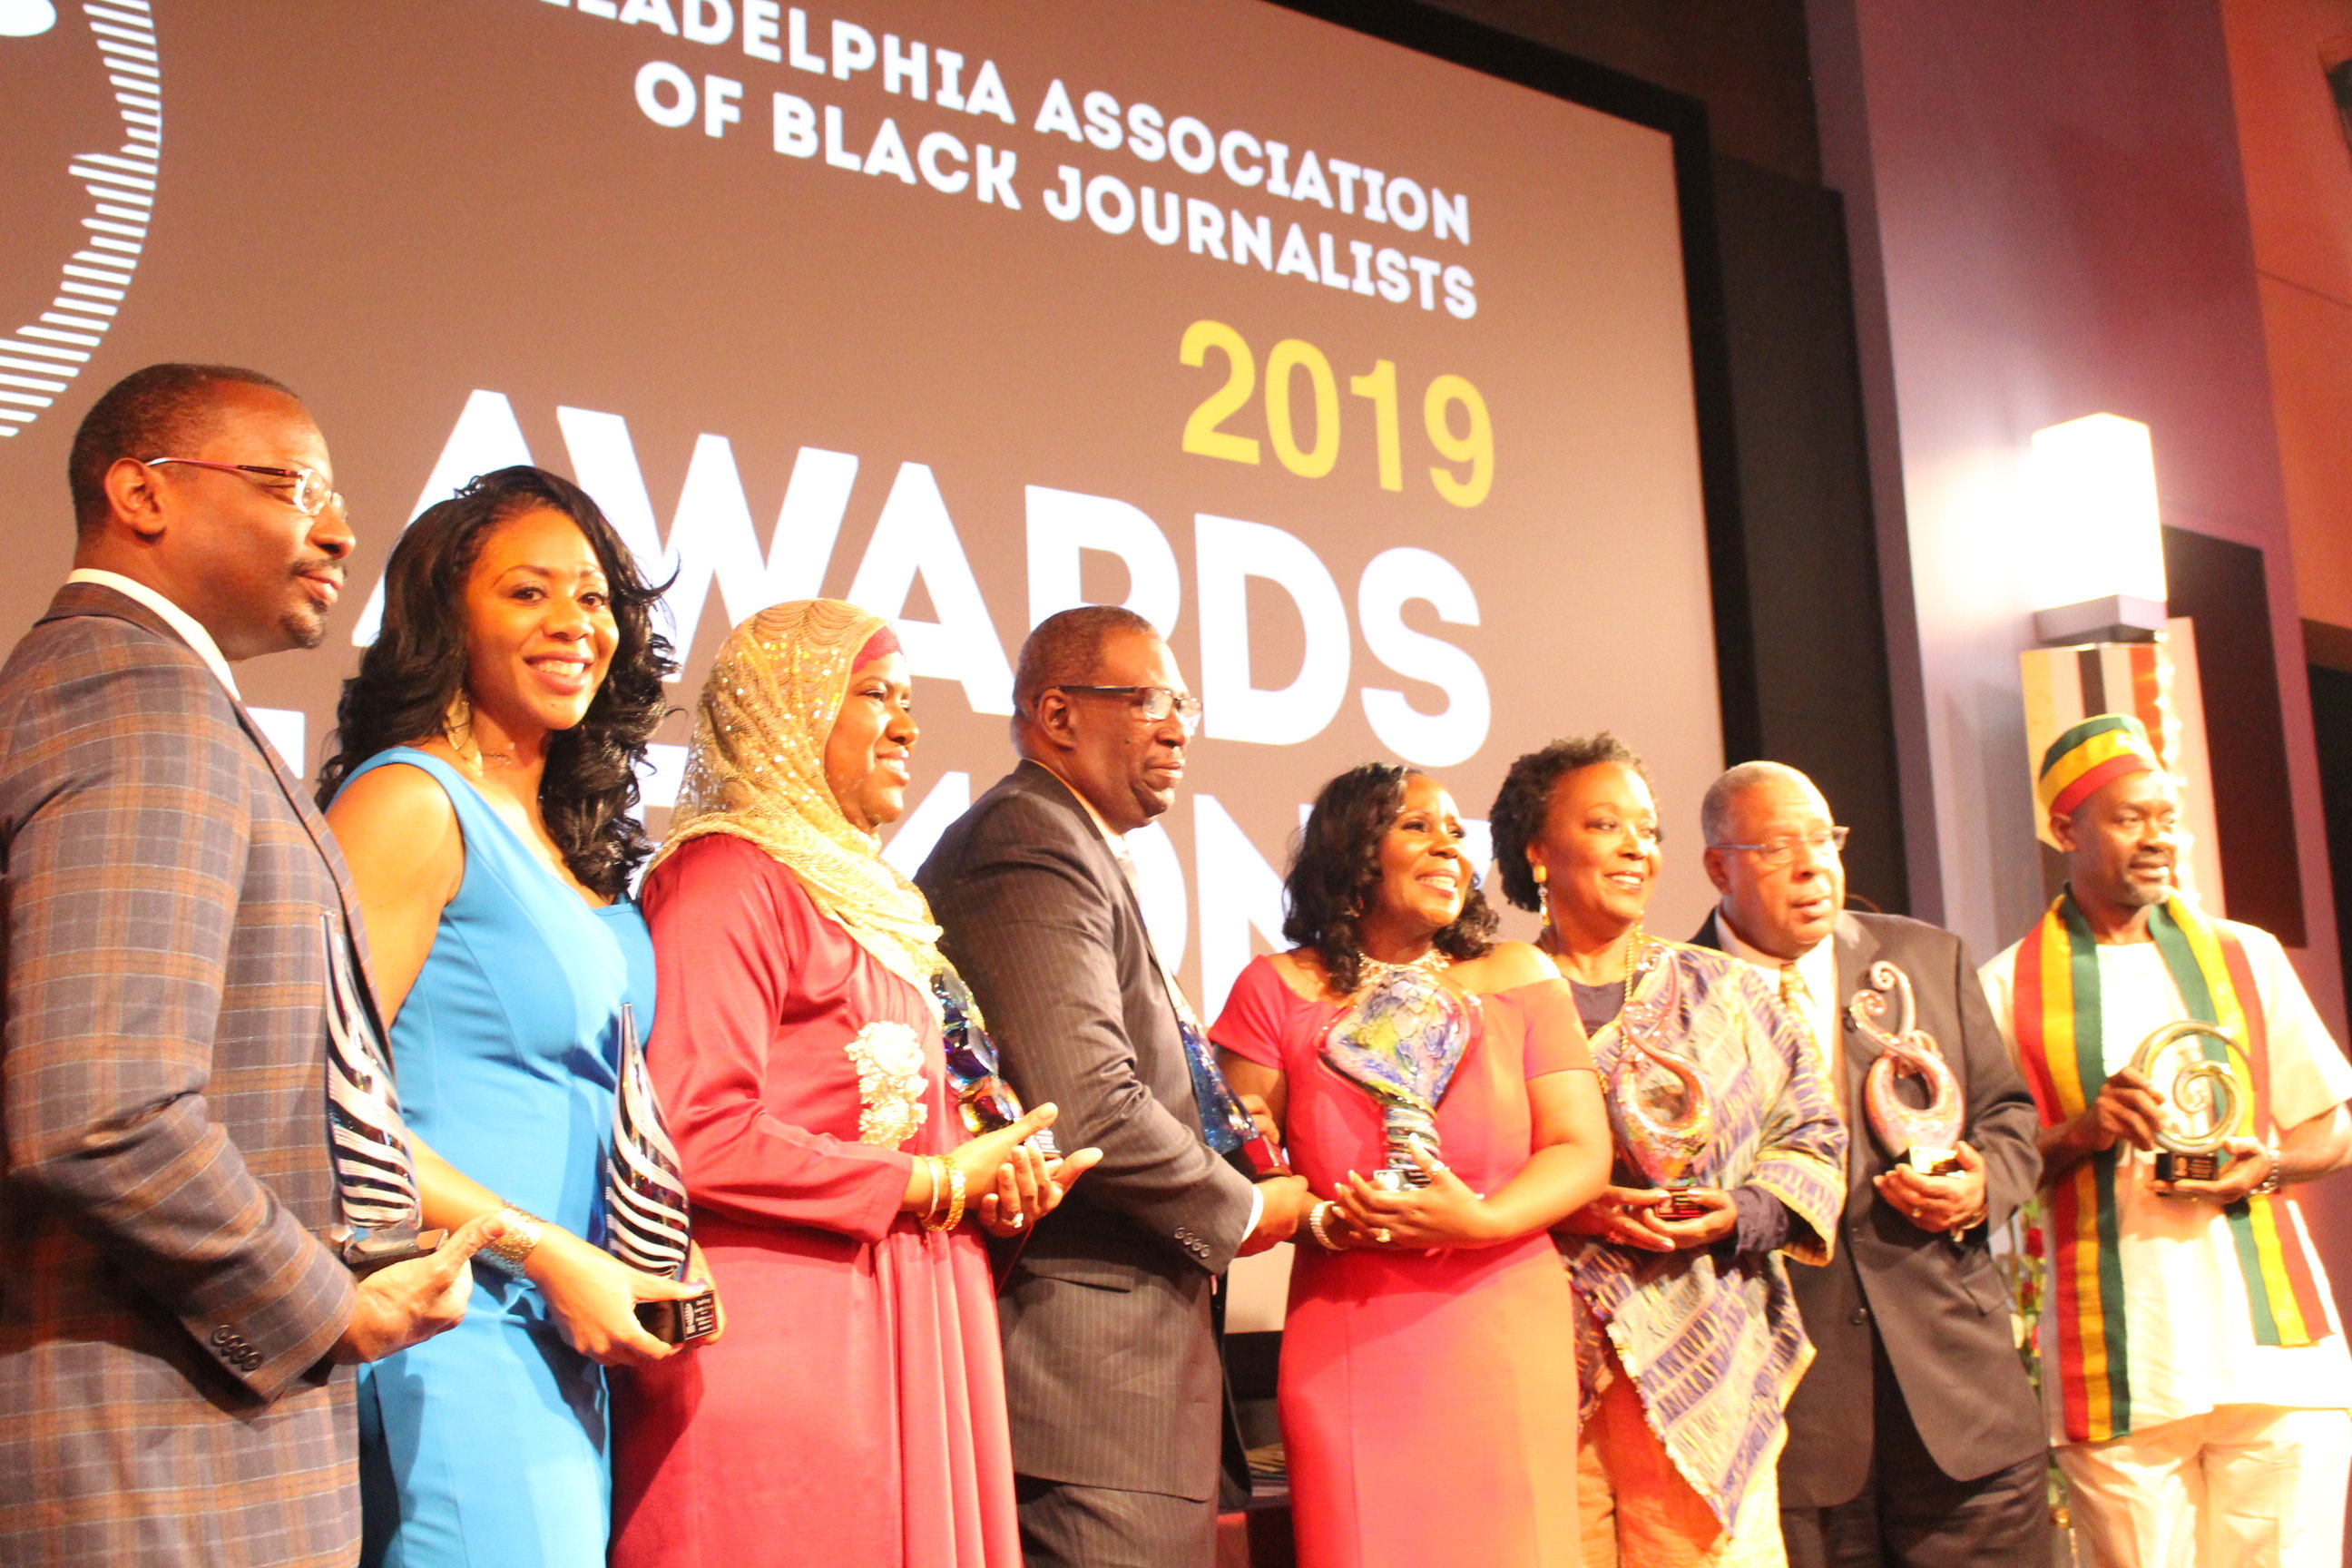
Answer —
(1365, 375)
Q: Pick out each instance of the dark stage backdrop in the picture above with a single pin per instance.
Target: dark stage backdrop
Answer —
(1366, 376)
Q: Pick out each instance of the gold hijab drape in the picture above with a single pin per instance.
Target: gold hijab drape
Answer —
(756, 770)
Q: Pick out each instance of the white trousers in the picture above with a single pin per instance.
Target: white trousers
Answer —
(2244, 1486)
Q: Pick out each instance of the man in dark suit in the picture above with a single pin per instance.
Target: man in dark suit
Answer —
(1110, 1362)
(1915, 1437)
(172, 1316)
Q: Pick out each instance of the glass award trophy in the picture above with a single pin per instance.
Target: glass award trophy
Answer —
(375, 1176)
(646, 1219)
(1400, 1040)
(1927, 1138)
(2205, 1088)
(1659, 1106)
(984, 1101)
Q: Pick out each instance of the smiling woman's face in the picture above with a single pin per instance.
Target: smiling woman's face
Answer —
(540, 632)
(869, 756)
(1425, 875)
(1598, 854)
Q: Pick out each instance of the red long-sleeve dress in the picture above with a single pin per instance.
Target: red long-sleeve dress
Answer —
(852, 1414)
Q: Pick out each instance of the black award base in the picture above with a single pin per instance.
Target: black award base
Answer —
(680, 1322)
(2201, 1167)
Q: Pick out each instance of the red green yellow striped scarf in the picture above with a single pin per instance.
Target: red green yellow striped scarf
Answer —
(2058, 1022)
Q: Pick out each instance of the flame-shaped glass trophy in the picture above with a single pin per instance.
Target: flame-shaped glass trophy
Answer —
(1400, 1040)
(367, 1143)
(1659, 1106)
(1927, 1138)
(2205, 1090)
(646, 1216)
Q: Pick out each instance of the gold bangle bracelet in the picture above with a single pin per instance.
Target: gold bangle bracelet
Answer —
(1315, 1226)
(955, 1195)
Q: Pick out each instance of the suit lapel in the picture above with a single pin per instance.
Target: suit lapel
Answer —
(97, 599)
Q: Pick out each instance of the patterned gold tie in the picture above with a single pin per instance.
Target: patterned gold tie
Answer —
(1799, 998)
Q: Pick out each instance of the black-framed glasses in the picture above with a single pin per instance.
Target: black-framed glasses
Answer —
(1827, 842)
(309, 494)
(1154, 702)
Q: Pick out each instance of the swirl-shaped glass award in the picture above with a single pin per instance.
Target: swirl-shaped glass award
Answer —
(2204, 1088)
(1400, 1039)
(1659, 1106)
(1927, 1138)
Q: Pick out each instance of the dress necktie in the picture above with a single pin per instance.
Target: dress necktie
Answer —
(1799, 998)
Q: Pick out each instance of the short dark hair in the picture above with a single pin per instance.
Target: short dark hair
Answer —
(414, 668)
(1521, 805)
(145, 415)
(1335, 872)
(1065, 648)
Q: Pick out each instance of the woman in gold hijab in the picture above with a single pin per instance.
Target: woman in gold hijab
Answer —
(834, 1104)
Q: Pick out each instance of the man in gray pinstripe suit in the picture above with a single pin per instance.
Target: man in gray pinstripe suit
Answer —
(1110, 1362)
(172, 1323)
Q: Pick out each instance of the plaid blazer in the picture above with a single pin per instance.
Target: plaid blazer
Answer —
(165, 1303)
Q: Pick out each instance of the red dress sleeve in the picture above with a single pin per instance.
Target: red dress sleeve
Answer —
(1554, 1038)
(728, 925)
(1251, 1022)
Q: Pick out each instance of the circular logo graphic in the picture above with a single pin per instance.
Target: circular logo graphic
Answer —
(99, 205)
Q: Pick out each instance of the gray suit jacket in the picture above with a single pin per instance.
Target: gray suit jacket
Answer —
(1941, 1310)
(1110, 1365)
(165, 1306)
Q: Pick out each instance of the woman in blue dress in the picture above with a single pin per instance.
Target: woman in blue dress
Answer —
(483, 792)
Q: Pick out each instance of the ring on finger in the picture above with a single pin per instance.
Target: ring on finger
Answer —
(1380, 1234)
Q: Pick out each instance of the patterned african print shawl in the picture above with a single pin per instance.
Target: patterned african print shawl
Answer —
(1713, 1341)
(2057, 1023)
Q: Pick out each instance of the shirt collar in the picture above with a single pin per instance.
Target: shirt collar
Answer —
(1817, 965)
(190, 630)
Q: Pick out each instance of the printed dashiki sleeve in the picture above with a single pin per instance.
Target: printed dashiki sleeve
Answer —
(1801, 1158)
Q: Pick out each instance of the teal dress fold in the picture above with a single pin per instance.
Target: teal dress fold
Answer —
(489, 1445)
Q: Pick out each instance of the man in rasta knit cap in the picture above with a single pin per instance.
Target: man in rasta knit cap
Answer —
(2194, 1372)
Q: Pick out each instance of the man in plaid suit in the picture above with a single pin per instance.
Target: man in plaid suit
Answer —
(172, 1327)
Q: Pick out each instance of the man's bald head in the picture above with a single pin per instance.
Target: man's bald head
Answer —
(1770, 854)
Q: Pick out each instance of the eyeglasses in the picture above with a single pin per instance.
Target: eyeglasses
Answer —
(984, 1101)
(1154, 702)
(1826, 842)
(310, 495)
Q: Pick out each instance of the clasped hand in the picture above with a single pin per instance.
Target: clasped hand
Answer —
(1938, 1203)
(2129, 1110)
(1629, 1217)
(1446, 1212)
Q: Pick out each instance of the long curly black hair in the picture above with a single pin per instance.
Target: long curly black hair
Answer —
(1525, 800)
(412, 670)
(1336, 874)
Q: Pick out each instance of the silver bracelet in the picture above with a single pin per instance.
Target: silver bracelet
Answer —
(2269, 1182)
(508, 1253)
(1315, 1225)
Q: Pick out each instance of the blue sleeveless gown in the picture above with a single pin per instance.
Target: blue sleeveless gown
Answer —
(488, 1445)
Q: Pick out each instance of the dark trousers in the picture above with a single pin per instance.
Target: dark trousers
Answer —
(1910, 1515)
(1064, 1526)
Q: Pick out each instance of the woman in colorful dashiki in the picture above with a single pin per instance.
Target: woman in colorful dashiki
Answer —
(482, 793)
(1428, 1399)
(1687, 1332)
(833, 1099)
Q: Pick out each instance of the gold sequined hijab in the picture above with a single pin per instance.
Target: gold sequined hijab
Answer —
(756, 770)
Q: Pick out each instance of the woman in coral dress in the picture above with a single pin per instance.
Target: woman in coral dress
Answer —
(818, 1072)
(1428, 1395)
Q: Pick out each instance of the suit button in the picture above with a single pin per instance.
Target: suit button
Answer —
(1861, 1315)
